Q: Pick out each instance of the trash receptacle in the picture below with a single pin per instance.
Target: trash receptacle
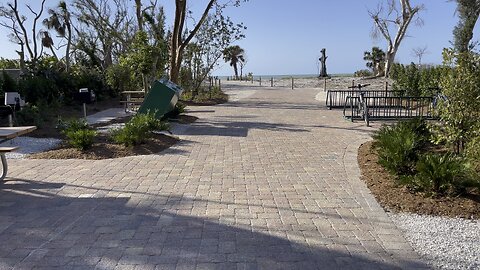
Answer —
(84, 96)
(162, 98)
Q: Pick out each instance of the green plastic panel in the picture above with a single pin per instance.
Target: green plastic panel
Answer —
(162, 98)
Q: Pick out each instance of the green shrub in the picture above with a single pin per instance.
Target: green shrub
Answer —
(30, 116)
(443, 173)
(72, 125)
(397, 149)
(398, 145)
(460, 114)
(81, 139)
(78, 133)
(363, 73)
(138, 129)
(416, 81)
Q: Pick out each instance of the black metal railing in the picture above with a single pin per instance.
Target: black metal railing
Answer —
(371, 108)
(337, 98)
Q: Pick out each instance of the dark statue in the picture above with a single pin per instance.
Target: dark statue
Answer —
(323, 65)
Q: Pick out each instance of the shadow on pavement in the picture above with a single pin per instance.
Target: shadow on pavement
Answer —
(40, 228)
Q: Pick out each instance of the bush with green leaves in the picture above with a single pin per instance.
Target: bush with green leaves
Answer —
(78, 133)
(81, 139)
(363, 73)
(138, 129)
(443, 174)
(460, 113)
(32, 115)
(416, 81)
(398, 145)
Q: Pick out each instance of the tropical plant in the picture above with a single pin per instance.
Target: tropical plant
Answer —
(397, 147)
(60, 21)
(443, 173)
(234, 55)
(375, 59)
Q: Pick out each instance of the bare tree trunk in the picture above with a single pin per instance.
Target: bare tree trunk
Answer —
(138, 5)
(179, 45)
(69, 44)
(235, 69)
(403, 20)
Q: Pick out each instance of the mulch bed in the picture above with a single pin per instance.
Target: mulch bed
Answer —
(104, 148)
(401, 199)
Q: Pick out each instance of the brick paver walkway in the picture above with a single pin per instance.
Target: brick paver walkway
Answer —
(266, 182)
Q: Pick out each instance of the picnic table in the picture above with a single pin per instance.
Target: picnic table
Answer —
(133, 99)
(6, 134)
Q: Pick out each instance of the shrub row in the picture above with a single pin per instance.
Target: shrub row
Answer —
(136, 131)
(402, 150)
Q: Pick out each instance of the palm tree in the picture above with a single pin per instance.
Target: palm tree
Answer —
(60, 21)
(234, 55)
(375, 60)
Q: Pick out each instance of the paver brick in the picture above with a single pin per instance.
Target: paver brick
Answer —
(270, 181)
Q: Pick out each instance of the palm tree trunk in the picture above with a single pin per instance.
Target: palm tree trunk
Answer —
(235, 69)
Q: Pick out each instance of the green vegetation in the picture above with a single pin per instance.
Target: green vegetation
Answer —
(138, 129)
(416, 81)
(404, 149)
(375, 60)
(363, 73)
(460, 113)
(78, 134)
(234, 55)
(398, 146)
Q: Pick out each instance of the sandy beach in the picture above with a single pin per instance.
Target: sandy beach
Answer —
(333, 83)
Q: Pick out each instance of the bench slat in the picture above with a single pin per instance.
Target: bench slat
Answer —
(4, 149)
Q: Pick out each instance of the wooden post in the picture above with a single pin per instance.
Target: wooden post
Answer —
(260, 81)
(219, 84)
(252, 78)
(386, 86)
(292, 83)
(325, 85)
(271, 82)
(353, 83)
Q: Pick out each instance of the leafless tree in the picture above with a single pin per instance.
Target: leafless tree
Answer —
(419, 52)
(387, 17)
(15, 22)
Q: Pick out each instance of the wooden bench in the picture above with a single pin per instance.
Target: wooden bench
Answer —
(3, 150)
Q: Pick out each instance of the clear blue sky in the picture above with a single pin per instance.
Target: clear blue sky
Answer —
(285, 36)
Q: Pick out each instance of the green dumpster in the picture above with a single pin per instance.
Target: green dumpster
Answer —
(161, 98)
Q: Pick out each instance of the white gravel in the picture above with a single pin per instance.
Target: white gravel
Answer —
(29, 145)
(444, 243)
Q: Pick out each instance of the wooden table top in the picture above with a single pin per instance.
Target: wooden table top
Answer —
(12, 132)
(133, 92)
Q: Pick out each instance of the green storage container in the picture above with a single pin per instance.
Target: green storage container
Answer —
(162, 98)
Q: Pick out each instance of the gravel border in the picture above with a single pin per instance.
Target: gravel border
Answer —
(444, 243)
(29, 145)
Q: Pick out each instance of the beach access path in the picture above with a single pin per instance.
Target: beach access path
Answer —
(268, 180)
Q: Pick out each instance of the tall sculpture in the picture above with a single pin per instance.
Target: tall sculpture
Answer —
(323, 65)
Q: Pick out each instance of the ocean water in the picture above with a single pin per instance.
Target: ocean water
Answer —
(287, 76)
